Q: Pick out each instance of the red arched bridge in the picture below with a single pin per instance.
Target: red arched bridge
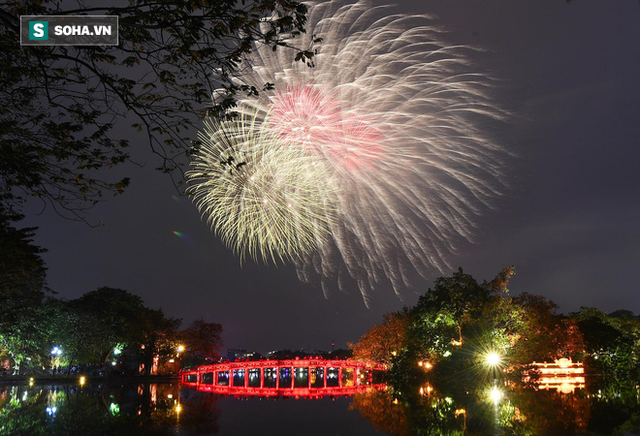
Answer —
(309, 378)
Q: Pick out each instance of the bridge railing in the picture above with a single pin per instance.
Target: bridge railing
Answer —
(304, 377)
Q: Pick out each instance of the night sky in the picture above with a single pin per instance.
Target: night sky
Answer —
(570, 76)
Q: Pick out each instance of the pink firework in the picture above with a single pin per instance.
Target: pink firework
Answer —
(314, 119)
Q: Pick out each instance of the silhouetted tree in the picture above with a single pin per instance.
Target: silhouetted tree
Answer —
(24, 315)
(202, 341)
(60, 104)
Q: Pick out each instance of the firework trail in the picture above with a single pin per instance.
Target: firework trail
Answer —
(261, 198)
(393, 113)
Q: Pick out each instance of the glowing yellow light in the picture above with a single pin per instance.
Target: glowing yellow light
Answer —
(425, 365)
(456, 343)
(82, 381)
(495, 394)
(460, 412)
(178, 408)
(493, 359)
(180, 348)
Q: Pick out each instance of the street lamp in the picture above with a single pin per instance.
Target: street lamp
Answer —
(180, 349)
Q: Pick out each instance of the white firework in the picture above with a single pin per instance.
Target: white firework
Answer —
(262, 199)
(393, 111)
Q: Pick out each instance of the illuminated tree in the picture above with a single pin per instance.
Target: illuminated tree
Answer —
(441, 313)
(384, 340)
(104, 318)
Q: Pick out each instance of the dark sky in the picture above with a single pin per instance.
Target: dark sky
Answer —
(569, 73)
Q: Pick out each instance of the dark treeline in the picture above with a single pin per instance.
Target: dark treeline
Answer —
(455, 325)
(39, 332)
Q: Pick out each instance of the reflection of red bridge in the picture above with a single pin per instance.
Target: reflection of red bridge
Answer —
(310, 378)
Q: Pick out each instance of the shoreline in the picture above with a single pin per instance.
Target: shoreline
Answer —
(64, 379)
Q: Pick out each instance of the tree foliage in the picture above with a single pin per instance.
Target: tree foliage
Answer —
(22, 270)
(455, 325)
(384, 340)
(61, 104)
(203, 341)
(158, 336)
(23, 312)
(105, 317)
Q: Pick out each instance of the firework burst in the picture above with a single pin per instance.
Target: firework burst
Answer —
(393, 113)
(264, 200)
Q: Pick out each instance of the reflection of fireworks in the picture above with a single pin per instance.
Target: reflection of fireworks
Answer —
(262, 199)
(393, 112)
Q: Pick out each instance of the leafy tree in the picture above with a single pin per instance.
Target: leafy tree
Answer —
(159, 336)
(202, 341)
(22, 270)
(61, 104)
(23, 313)
(103, 318)
(609, 343)
(384, 340)
(438, 318)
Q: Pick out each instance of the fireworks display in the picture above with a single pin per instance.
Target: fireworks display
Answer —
(386, 123)
(264, 200)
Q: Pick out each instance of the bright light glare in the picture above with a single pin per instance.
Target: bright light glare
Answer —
(493, 359)
(495, 394)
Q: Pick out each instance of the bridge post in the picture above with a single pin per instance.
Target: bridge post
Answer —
(293, 377)
(324, 375)
(246, 376)
(278, 377)
(340, 376)
(309, 376)
(261, 377)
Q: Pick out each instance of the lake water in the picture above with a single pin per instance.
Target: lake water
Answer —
(171, 409)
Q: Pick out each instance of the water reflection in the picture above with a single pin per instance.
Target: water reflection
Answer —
(123, 409)
(600, 407)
